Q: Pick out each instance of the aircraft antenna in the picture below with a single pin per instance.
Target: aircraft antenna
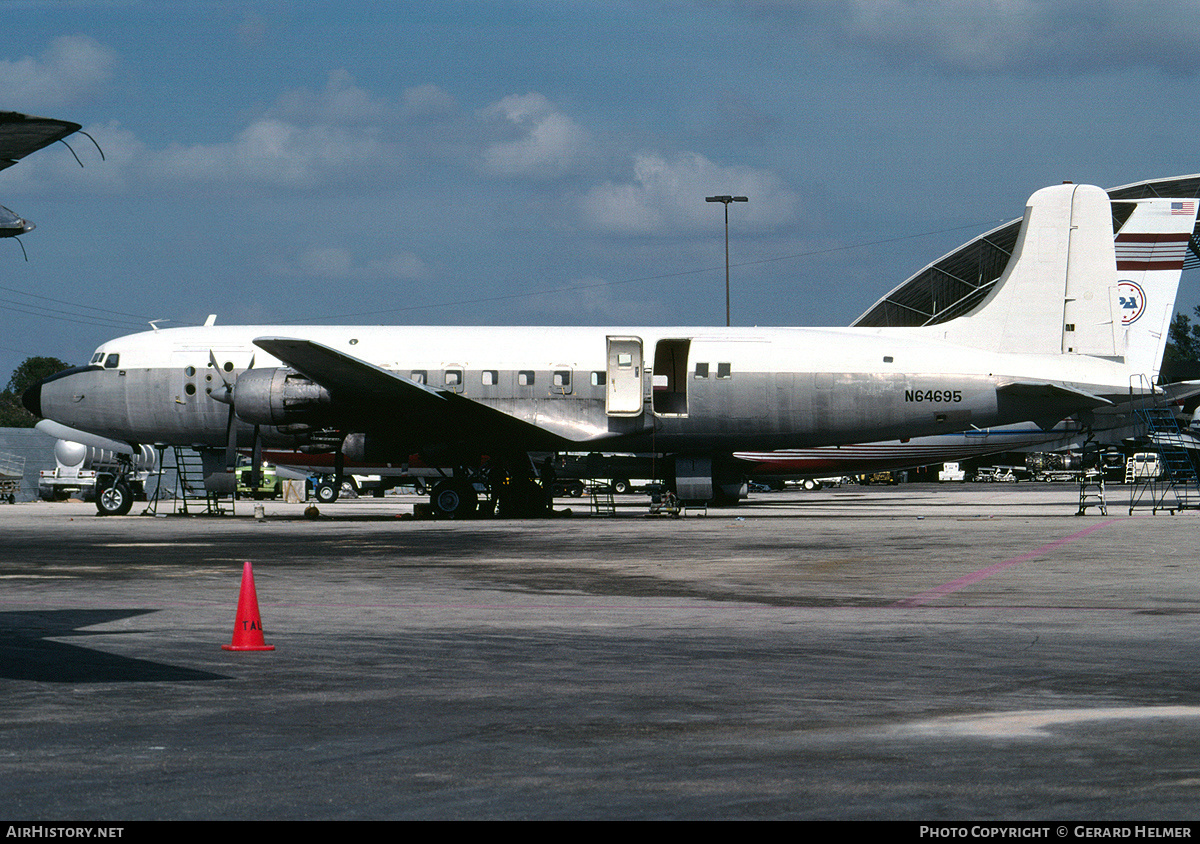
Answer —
(90, 138)
(22, 245)
(93, 140)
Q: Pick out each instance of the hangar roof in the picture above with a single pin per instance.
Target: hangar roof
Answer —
(956, 283)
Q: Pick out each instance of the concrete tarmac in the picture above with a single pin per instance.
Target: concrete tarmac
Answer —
(974, 652)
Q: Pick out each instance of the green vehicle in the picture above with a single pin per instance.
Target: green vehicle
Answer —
(270, 486)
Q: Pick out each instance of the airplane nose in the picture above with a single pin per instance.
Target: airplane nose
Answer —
(33, 396)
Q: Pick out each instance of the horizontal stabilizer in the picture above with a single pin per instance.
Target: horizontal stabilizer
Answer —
(1181, 391)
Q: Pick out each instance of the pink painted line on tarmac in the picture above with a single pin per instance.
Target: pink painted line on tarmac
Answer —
(975, 577)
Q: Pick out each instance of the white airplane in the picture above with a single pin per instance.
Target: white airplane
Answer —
(1047, 342)
(1151, 251)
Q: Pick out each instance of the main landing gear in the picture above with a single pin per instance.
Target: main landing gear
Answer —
(504, 492)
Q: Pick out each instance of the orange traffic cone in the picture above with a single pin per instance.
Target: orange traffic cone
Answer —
(247, 627)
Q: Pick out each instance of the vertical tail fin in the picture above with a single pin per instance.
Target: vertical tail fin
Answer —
(1057, 293)
(1072, 288)
(1151, 247)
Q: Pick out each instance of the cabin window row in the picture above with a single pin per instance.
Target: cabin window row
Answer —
(559, 378)
(724, 370)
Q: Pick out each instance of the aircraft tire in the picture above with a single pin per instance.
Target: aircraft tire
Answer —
(453, 500)
(327, 492)
(116, 500)
(621, 486)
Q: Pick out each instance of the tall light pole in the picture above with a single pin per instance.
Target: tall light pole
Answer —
(725, 200)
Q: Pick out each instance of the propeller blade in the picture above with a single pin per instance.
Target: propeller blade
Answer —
(256, 461)
(231, 442)
(212, 361)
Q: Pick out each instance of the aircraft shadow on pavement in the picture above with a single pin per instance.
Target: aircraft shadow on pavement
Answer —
(26, 652)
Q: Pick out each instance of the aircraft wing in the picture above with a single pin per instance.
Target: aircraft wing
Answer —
(389, 402)
(22, 134)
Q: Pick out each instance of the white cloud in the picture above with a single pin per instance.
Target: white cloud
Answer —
(72, 67)
(428, 101)
(549, 145)
(669, 196)
(341, 101)
(309, 138)
(275, 152)
(1021, 37)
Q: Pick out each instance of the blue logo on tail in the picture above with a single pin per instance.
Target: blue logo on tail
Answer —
(1132, 300)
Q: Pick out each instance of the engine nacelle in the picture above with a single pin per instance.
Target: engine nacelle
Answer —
(279, 396)
(364, 448)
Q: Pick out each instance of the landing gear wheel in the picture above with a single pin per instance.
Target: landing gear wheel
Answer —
(621, 486)
(453, 500)
(327, 492)
(116, 500)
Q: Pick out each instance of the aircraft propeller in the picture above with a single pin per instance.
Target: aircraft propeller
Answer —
(227, 393)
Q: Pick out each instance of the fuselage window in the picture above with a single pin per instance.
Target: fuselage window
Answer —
(453, 377)
(598, 379)
(562, 378)
(490, 378)
(525, 377)
(702, 370)
(112, 361)
(624, 360)
(189, 371)
(724, 370)
(419, 375)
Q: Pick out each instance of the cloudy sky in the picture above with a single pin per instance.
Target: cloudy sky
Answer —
(537, 162)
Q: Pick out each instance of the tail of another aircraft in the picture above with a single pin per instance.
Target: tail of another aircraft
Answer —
(1151, 247)
(1071, 289)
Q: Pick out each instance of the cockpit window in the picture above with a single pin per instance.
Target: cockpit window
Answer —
(112, 361)
(96, 358)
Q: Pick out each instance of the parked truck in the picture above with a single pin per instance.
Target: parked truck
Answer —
(81, 470)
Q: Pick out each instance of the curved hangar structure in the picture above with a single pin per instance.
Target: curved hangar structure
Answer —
(957, 283)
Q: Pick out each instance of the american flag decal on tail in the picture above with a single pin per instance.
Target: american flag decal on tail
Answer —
(1185, 207)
